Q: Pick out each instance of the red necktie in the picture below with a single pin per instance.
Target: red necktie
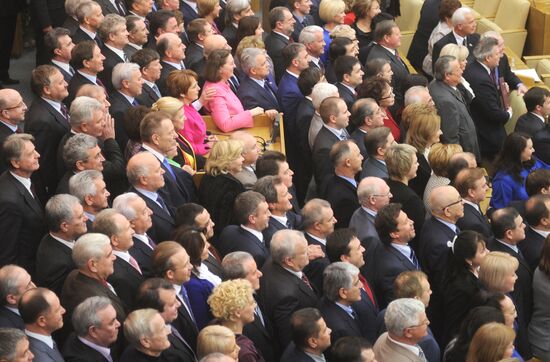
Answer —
(306, 280)
(367, 289)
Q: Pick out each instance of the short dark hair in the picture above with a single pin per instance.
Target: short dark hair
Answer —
(192, 241)
(349, 349)
(51, 39)
(338, 243)
(386, 221)
(375, 139)
(131, 21)
(329, 107)
(41, 77)
(196, 28)
(132, 121)
(148, 295)
(537, 180)
(276, 14)
(534, 97)
(307, 80)
(81, 52)
(144, 57)
(536, 210)
(268, 163)
(383, 28)
(503, 220)
(344, 65)
(151, 123)
(33, 305)
(304, 325)
(158, 20)
(187, 213)
(246, 204)
(337, 47)
(291, 52)
(215, 61)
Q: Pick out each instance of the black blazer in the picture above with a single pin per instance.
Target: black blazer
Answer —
(147, 96)
(529, 123)
(262, 336)
(426, 24)
(188, 12)
(166, 70)
(294, 354)
(131, 354)
(9, 319)
(293, 219)
(111, 59)
(541, 142)
(143, 254)
(274, 44)
(21, 224)
(71, 24)
(235, 238)
(253, 95)
(126, 281)
(418, 184)
(179, 351)
(178, 191)
(339, 321)
(367, 312)
(67, 76)
(531, 247)
(119, 106)
(193, 54)
(163, 222)
(342, 196)
(230, 33)
(314, 270)
(185, 325)
(5, 132)
(471, 42)
(108, 8)
(76, 351)
(53, 263)
(282, 293)
(474, 220)
(77, 81)
(322, 166)
(79, 36)
(358, 137)
(348, 96)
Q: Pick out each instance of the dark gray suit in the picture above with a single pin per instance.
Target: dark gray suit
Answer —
(529, 123)
(457, 124)
(42, 352)
(374, 167)
(363, 223)
(358, 136)
(322, 166)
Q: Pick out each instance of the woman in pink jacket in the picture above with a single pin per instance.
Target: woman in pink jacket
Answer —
(225, 108)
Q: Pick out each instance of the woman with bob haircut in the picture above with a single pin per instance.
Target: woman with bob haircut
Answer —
(460, 281)
(232, 303)
(225, 107)
(492, 342)
(209, 10)
(219, 187)
(365, 11)
(439, 157)
(497, 272)
(249, 25)
(332, 13)
(218, 339)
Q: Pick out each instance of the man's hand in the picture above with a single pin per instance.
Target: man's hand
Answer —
(109, 128)
(314, 252)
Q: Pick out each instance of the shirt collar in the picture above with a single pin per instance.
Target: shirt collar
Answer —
(413, 349)
(48, 340)
(10, 126)
(143, 238)
(337, 132)
(539, 117)
(348, 87)
(322, 241)
(259, 81)
(487, 69)
(513, 247)
(156, 153)
(448, 224)
(403, 249)
(91, 34)
(474, 205)
(129, 98)
(117, 51)
(316, 357)
(292, 74)
(150, 84)
(299, 274)
(369, 211)
(175, 65)
(105, 352)
(14, 310)
(459, 39)
(69, 244)
(25, 181)
(348, 309)
(541, 232)
(282, 219)
(124, 255)
(149, 194)
(281, 34)
(350, 180)
(56, 105)
(90, 217)
(65, 66)
(91, 78)
(134, 45)
(388, 49)
(256, 233)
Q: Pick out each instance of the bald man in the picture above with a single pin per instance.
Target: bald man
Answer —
(172, 53)
(247, 175)
(12, 114)
(211, 43)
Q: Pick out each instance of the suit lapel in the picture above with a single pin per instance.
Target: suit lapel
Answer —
(58, 117)
(33, 203)
(404, 260)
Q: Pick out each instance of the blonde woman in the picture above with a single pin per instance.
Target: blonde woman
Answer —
(219, 339)
(497, 272)
(332, 12)
(219, 187)
(233, 305)
(185, 158)
(346, 31)
(492, 342)
(210, 11)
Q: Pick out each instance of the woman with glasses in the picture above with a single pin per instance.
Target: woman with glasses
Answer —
(382, 92)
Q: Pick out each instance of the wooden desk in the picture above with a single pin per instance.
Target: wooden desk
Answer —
(538, 29)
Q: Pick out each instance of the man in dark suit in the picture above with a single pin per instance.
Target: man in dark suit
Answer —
(282, 25)
(252, 214)
(234, 11)
(388, 36)
(149, 64)
(349, 75)
(300, 11)
(114, 35)
(59, 46)
(12, 115)
(172, 53)
(394, 255)
(310, 337)
(457, 124)
(145, 176)
(373, 194)
(189, 10)
(471, 183)
(48, 121)
(113, 7)
(159, 138)
(197, 31)
(335, 116)
(137, 35)
(90, 190)
(127, 275)
(366, 115)
(537, 211)
(313, 38)
(509, 230)
(14, 281)
(140, 8)
(340, 189)
(159, 294)
(463, 33)
(66, 222)
(71, 21)
(96, 329)
(88, 62)
(284, 289)
(541, 142)
(278, 200)
(241, 265)
(537, 101)
(377, 142)
(256, 90)
(426, 24)
(487, 109)
(42, 314)
(89, 17)
(169, 257)
(21, 213)
(46, 15)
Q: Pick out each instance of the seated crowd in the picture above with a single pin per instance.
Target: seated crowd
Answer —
(134, 233)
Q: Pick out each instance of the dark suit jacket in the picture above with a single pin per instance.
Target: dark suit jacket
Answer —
(21, 224)
(42, 352)
(9, 319)
(299, 26)
(348, 96)
(253, 95)
(53, 263)
(426, 24)
(322, 166)
(367, 312)
(143, 254)
(342, 196)
(294, 354)
(48, 127)
(505, 72)
(178, 351)
(263, 336)
(131, 354)
(487, 112)
(186, 326)
(474, 220)
(289, 96)
(119, 106)
(235, 238)
(71, 24)
(163, 223)
(126, 281)
(418, 184)
(166, 70)
(76, 351)
(111, 59)
(147, 96)
(80, 36)
(293, 219)
(108, 8)
(529, 123)
(67, 76)
(188, 12)
(456, 123)
(193, 54)
(541, 142)
(363, 223)
(77, 81)
(471, 42)
(179, 190)
(230, 33)
(274, 44)
(373, 167)
(358, 136)
(282, 293)
(5, 132)
(339, 321)
(531, 247)
(314, 270)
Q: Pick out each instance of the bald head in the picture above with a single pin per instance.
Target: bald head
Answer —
(446, 203)
(373, 193)
(144, 171)
(12, 107)
(214, 42)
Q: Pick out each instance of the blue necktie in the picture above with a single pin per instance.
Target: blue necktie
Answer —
(414, 259)
(185, 298)
(169, 168)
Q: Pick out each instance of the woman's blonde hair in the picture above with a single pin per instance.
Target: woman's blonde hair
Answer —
(215, 339)
(440, 155)
(328, 9)
(460, 52)
(399, 159)
(343, 31)
(221, 155)
(423, 122)
(230, 297)
(490, 342)
(169, 105)
(495, 268)
(250, 41)
(205, 7)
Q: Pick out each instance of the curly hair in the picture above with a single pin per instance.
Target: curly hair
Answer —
(230, 297)
(222, 154)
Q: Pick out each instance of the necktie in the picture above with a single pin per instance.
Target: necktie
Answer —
(100, 83)
(126, 60)
(119, 8)
(65, 112)
(269, 90)
(185, 298)
(156, 90)
(169, 168)
(494, 77)
(71, 70)
(258, 312)
(162, 204)
(98, 41)
(135, 264)
(412, 256)
(306, 280)
(367, 289)
(152, 244)
(18, 130)
(233, 84)
(421, 353)
(135, 103)
(353, 314)
(288, 224)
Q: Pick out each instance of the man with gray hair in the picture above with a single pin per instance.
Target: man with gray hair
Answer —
(96, 329)
(281, 24)
(256, 90)
(406, 325)
(373, 194)
(312, 37)
(89, 16)
(341, 289)
(115, 37)
(457, 124)
(284, 288)
(14, 346)
(489, 111)
(71, 22)
(366, 115)
(140, 328)
(320, 92)
(90, 190)
(136, 211)
(66, 222)
(14, 281)
(418, 94)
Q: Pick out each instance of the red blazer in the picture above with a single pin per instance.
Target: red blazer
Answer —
(226, 109)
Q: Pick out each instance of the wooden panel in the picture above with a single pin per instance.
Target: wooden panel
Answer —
(538, 28)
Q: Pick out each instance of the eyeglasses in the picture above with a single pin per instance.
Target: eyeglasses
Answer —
(460, 200)
(20, 105)
(389, 194)
(424, 323)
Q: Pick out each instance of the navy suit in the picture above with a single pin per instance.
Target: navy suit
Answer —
(119, 106)
(189, 14)
(147, 96)
(67, 76)
(163, 222)
(9, 319)
(262, 334)
(346, 94)
(529, 123)
(235, 238)
(76, 351)
(367, 312)
(474, 220)
(294, 354)
(531, 247)
(253, 95)
(274, 44)
(341, 323)
(185, 325)
(322, 166)
(293, 220)
(342, 196)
